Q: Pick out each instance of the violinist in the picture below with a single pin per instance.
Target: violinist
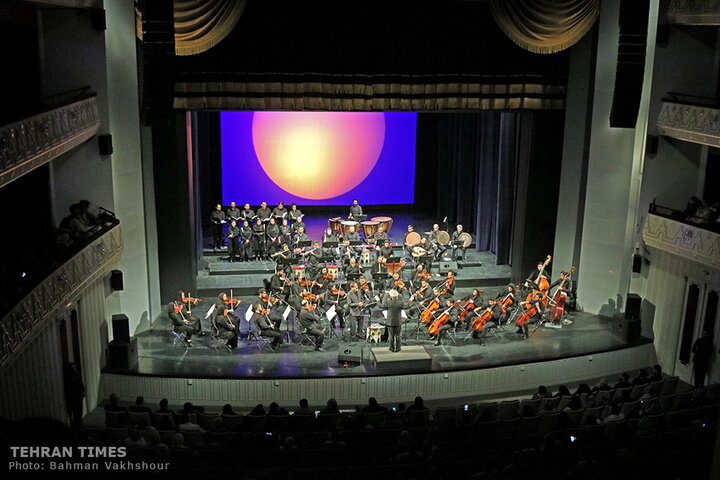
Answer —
(279, 283)
(356, 303)
(272, 236)
(227, 324)
(259, 239)
(271, 305)
(309, 321)
(232, 213)
(424, 292)
(322, 280)
(280, 212)
(418, 275)
(265, 327)
(233, 237)
(338, 297)
(396, 283)
(453, 310)
(181, 324)
(536, 305)
(447, 288)
(218, 219)
(264, 213)
(246, 234)
(194, 321)
(364, 286)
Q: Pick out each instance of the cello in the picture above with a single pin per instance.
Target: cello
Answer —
(558, 308)
(467, 307)
(486, 315)
(441, 320)
(533, 310)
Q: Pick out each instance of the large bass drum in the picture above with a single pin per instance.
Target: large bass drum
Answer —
(465, 238)
(386, 223)
(412, 239)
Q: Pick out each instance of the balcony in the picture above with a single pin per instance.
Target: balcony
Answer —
(33, 141)
(694, 12)
(666, 229)
(691, 122)
(27, 318)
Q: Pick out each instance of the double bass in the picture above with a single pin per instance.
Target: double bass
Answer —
(558, 308)
(441, 320)
(542, 284)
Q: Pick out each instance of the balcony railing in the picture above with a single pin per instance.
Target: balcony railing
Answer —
(20, 325)
(690, 122)
(665, 230)
(33, 141)
(694, 12)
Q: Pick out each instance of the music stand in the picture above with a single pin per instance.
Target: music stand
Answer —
(360, 218)
(303, 244)
(352, 277)
(330, 244)
(392, 260)
(354, 243)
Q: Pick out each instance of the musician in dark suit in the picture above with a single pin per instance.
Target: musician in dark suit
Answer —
(447, 288)
(356, 304)
(424, 254)
(312, 259)
(537, 302)
(226, 324)
(217, 219)
(394, 305)
(534, 274)
(234, 237)
(272, 237)
(439, 249)
(454, 240)
(352, 235)
(355, 210)
(246, 237)
(259, 239)
(265, 327)
(309, 321)
(298, 224)
(328, 237)
(284, 257)
(386, 250)
(453, 311)
(408, 249)
(300, 236)
(233, 213)
(181, 324)
(352, 271)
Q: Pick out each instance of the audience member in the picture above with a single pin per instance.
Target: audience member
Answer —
(373, 406)
(641, 379)
(657, 374)
(331, 407)
(304, 408)
(163, 406)
(134, 439)
(418, 405)
(228, 410)
(275, 409)
(562, 392)
(114, 405)
(616, 414)
(258, 410)
(139, 407)
(623, 381)
(542, 392)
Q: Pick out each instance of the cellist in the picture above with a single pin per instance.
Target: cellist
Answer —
(534, 310)
(452, 309)
(506, 297)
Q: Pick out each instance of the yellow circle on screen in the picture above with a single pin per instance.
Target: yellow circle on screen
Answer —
(318, 155)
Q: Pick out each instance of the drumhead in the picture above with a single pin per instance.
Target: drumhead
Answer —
(413, 238)
(349, 223)
(443, 237)
(465, 238)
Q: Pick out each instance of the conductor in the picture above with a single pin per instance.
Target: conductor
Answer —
(394, 304)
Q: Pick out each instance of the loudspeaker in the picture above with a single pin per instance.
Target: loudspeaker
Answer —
(626, 330)
(97, 18)
(105, 144)
(637, 263)
(123, 356)
(651, 145)
(632, 306)
(448, 266)
(630, 70)
(116, 280)
(121, 328)
(350, 352)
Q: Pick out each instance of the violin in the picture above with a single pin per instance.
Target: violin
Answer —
(191, 299)
(364, 286)
(399, 283)
(338, 292)
(233, 301)
(178, 308)
(425, 275)
(264, 311)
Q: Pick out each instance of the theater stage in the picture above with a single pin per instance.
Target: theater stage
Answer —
(587, 335)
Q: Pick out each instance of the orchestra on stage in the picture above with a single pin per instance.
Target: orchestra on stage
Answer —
(356, 284)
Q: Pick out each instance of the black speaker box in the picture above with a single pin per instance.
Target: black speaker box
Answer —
(632, 306)
(448, 266)
(637, 263)
(626, 330)
(350, 352)
(123, 355)
(105, 144)
(121, 328)
(116, 280)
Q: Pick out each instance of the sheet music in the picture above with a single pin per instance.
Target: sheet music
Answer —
(330, 313)
(248, 314)
(402, 314)
(210, 312)
(286, 313)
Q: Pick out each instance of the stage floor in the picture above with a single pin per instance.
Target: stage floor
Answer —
(587, 334)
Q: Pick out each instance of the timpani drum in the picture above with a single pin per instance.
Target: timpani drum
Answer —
(299, 272)
(334, 271)
(443, 237)
(334, 224)
(386, 223)
(370, 227)
(345, 226)
(465, 238)
(365, 257)
(412, 239)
